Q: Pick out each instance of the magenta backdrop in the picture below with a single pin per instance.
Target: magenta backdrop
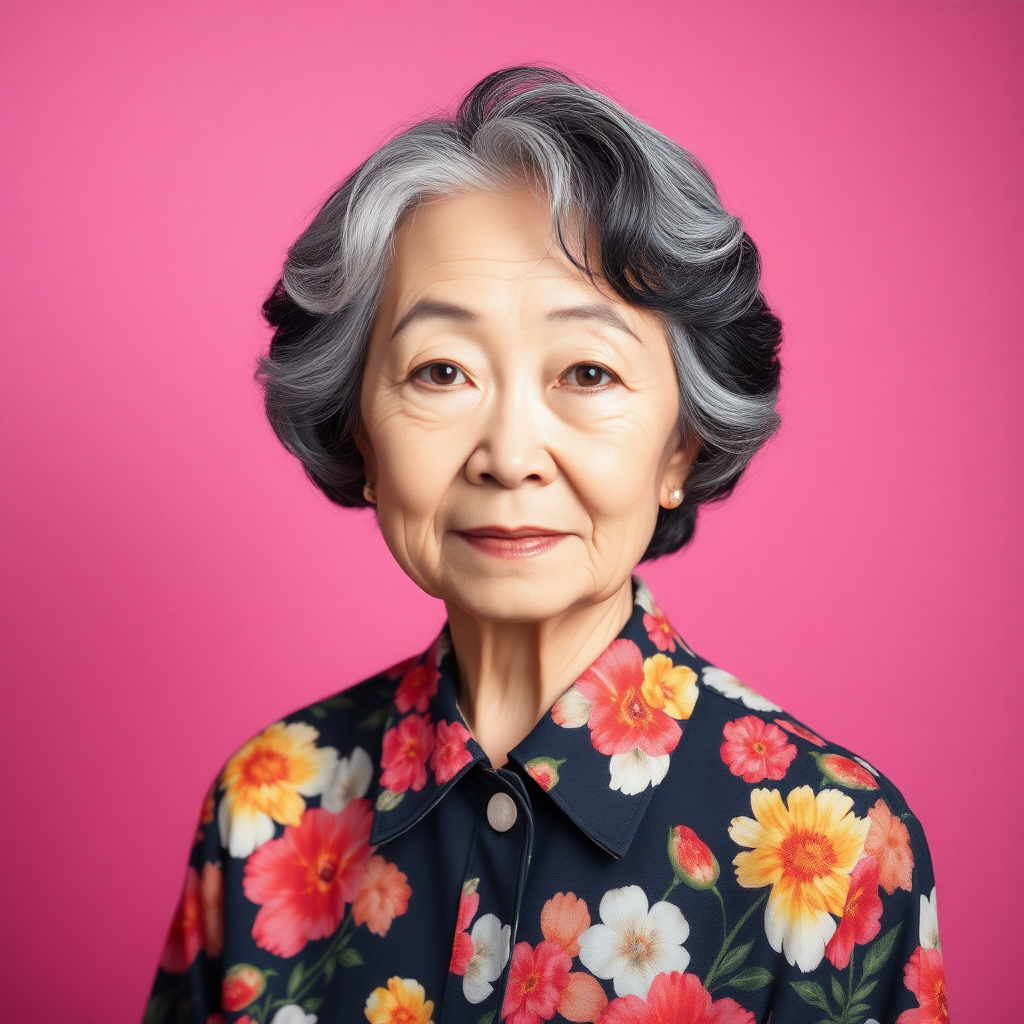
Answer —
(172, 583)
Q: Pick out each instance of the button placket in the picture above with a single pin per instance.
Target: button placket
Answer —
(497, 867)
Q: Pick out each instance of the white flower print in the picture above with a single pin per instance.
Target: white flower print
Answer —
(929, 922)
(729, 686)
(633, 944)
(571, 710)
(632, 773)
(293, 1015)
(491, 948)
(351, 780)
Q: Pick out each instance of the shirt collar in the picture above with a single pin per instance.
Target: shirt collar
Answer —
(598, 752)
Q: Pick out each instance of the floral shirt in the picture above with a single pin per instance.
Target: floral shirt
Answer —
(665, 846)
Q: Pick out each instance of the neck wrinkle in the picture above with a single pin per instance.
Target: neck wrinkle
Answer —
(510, 673)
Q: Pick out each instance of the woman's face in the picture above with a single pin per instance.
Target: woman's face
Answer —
(520, 421)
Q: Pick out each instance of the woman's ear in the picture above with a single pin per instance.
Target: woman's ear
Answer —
(677, 470)
(362, 443)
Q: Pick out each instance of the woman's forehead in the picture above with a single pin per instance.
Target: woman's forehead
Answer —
(470, 244)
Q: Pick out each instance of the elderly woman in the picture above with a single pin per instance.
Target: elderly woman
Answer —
(531, 338)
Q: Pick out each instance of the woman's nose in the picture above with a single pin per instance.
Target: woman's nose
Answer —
(512, 448)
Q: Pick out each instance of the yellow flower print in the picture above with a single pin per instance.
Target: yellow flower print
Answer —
(805, 850)
(673, 688)
(266, 782)
(401, 1002)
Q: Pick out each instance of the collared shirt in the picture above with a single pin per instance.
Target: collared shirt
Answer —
(665, 846)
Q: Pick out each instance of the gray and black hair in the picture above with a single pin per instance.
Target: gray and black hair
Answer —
(664, 240)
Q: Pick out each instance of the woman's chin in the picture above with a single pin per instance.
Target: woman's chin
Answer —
(528, 590)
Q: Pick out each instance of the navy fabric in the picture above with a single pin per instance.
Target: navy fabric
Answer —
(681, 850)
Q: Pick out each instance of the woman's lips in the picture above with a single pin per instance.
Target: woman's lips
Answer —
(504, 542)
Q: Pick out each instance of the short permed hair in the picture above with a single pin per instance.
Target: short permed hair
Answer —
(664, 240)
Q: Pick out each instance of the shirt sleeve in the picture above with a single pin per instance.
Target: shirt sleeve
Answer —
(882, 961)
(188, 980)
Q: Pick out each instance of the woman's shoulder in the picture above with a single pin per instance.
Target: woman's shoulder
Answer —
(763, 745)
(325, 750)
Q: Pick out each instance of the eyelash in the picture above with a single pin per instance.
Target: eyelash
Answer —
(420, 373)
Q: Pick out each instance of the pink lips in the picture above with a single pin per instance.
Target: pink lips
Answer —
(503, 542)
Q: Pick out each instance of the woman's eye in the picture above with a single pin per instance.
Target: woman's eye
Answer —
(440, 374)
(587, 375)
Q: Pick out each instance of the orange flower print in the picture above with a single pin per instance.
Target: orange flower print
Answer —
(673, 688)
(564, 919)
(266, 781)
(888, 842)
(383, 895)
(402, 1002)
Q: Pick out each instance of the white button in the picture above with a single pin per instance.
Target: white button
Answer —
(501, 812)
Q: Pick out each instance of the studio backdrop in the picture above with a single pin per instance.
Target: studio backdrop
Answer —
(171, 581)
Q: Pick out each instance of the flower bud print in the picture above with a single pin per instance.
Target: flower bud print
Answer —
(692, 861)
(242, 985)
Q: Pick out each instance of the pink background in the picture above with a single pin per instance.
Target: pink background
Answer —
(171, 582)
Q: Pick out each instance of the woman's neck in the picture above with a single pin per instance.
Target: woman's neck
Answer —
(512, 672)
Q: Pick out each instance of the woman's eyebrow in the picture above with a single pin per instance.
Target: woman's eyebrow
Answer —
(594, 311)
(426, 309)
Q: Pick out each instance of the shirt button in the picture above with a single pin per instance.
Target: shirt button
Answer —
(501, 812)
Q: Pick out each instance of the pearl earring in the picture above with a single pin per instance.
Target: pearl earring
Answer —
(675, 497)
(368, 493)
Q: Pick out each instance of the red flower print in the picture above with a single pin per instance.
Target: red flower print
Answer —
(888, 842)
(621, 720)
(925, 977)
(211, 898)
(564, 919)
(462, 953)
(659, 630)
(691, 858)
(185, 938)
(304, 879)
(674, 998)
(536, 981)
(756, 749)
(861, 920)
(799, 730)
(243, 984)
(383, 895)
(418, 685)
(406, 749)
(399, 670)
(462, 949)
(450, 753)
